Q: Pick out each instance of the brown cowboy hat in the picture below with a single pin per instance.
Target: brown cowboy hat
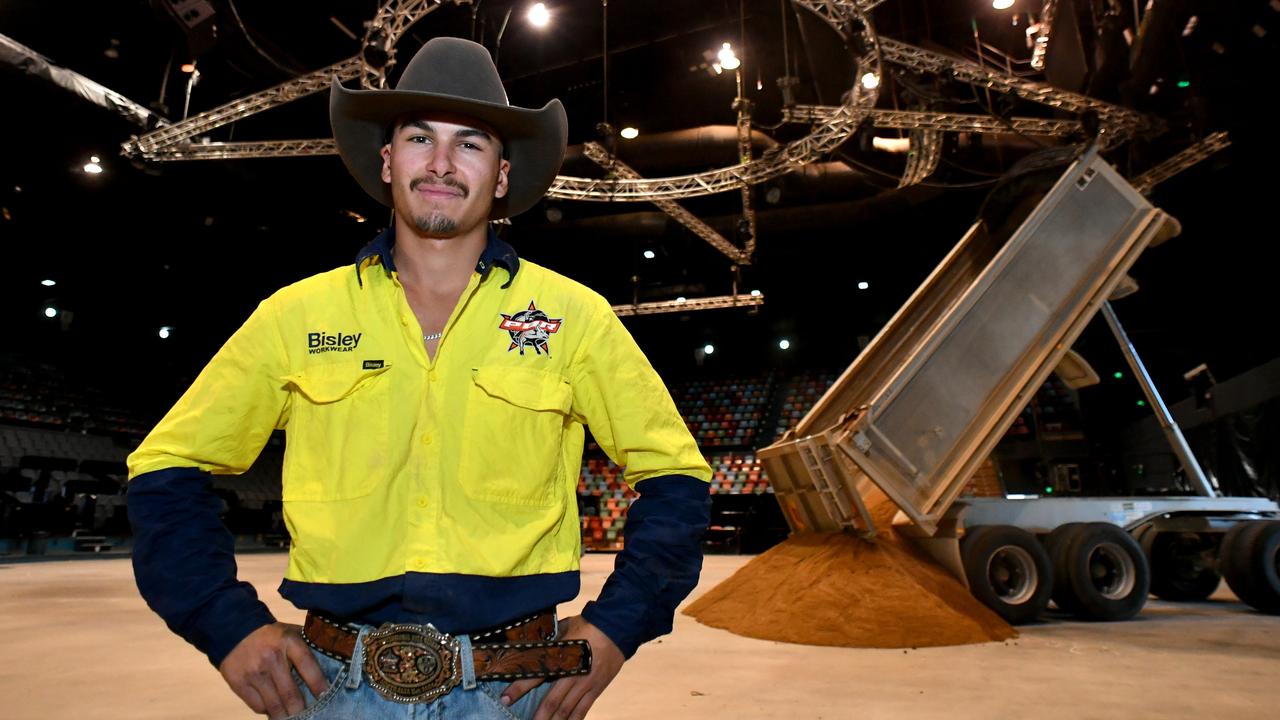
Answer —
(456, 76)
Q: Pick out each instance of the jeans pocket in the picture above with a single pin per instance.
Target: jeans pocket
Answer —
(315, 705)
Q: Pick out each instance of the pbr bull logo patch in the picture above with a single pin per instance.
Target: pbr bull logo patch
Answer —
(530, 328)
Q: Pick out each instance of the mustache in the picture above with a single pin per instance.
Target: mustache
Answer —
(446, 182)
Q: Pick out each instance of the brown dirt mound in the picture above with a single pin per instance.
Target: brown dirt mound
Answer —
(837, 589)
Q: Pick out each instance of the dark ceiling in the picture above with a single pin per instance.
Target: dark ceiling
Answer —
(195, 245)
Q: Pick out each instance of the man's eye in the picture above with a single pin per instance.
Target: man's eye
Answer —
(419, 139)
(470, 146)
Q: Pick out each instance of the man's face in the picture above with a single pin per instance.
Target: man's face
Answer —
(445, 171)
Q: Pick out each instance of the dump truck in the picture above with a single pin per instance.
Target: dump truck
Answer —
(927, 400)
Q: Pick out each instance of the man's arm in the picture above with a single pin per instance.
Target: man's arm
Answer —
(183, 555)
(631, 415)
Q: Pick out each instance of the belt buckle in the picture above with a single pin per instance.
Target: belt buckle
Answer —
(411, 663)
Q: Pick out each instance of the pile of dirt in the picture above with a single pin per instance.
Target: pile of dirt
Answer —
(838, 589)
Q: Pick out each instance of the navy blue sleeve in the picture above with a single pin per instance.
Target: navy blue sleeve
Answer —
(659, 564)
(184, 561)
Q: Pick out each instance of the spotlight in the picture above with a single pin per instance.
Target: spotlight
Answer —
(755, 293)
(165, 332)
(648, 255)
(708, 348)
(863, 285)
(50, 311)
(870, 81)
(1002, 4)
(188, 68)
(728, 60)
(48, 283)
(629, 133)
(784, 344)
(539, 16)
(92, 167)
(680, 299)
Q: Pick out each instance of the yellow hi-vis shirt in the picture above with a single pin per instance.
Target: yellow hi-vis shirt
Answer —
(397, 462)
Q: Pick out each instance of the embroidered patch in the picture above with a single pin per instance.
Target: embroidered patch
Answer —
(530, 328)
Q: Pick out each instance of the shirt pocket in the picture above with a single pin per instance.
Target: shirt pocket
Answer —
(337, 433)
(514, 435)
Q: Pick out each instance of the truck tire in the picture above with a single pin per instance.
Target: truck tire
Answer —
(1055, 545)
(1254, 565)
(1181, 568)
(1233, 557)
(1008, 571)
(1107, 574)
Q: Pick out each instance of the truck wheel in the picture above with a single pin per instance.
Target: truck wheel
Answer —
(1107, 574)
(1254, 564)
(1055, 545)
(1234, 555)
(1181, 565)
(1008, 571)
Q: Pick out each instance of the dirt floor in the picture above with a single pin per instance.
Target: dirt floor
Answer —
(79, 642)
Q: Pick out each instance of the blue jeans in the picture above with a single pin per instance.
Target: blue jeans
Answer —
(349, 697)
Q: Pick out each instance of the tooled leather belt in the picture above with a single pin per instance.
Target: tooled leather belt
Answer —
(416, 663)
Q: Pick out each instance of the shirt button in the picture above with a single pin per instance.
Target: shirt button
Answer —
(404, 320)
(431, 375)
(426, 439)
(422, 501)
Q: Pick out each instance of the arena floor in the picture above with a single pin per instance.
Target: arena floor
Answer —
(80, 643)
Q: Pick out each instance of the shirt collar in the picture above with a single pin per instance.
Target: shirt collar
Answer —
(496, 252)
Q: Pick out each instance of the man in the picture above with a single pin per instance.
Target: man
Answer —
(434, 399)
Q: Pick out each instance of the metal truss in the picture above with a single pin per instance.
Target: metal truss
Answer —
(242, 150)
(833, 125)
(744, 156)
(1116, 123)
(389, 24)
(171, 138)
(1147, 181)
(943, 121)
(926, 149)
(680, 306)
(597, 154)
(846, 18)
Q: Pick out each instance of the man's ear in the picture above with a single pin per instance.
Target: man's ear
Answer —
(386, 163)
(503, 185)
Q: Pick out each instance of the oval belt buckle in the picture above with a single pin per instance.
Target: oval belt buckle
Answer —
(411, 663)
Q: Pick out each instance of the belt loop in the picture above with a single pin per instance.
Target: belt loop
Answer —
(357, 660)
(467, 660)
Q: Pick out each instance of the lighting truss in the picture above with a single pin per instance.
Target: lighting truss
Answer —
(1145, 182)
(678, 306)
(597, 154)
(926, 150)
(943, 121)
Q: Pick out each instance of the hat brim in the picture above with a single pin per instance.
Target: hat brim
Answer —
(534, 140)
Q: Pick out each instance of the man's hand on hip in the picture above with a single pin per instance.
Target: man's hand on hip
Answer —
(257, 670)
(572, 697)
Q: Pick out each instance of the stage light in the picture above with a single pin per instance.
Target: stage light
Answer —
(681, 299)
(165, 332)
(648, 255)
(1002, 4)
(708, 348)
(92, 167)
(784, 344)
(870, 81)
(48, 283)
(50, 311)
(1117, 375)
(539, 16)
(188, 68)
(728, 59)
(755, 293)
(864, 285)
(629, 133)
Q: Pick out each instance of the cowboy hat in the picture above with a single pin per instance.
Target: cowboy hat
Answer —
(455, 76)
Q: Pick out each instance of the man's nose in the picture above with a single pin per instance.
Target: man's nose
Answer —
(441, 161)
